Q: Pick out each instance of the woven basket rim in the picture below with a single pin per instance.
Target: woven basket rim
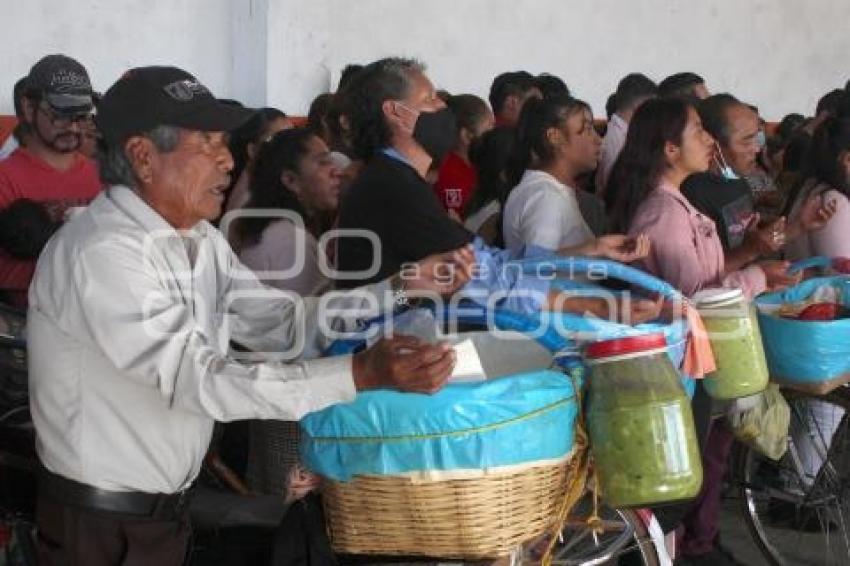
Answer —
(389, 515)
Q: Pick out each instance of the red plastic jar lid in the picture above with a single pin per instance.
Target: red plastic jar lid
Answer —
(623, 346)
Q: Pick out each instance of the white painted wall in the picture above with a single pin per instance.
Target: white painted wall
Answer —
(110, 36)
(249, 52)
(779, 54)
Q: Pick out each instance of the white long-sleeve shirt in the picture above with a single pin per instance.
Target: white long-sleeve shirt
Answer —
(128, 347)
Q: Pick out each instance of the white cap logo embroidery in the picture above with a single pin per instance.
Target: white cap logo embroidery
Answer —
(185, 90)
(65, 80)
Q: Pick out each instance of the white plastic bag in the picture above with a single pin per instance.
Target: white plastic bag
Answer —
(764, 426)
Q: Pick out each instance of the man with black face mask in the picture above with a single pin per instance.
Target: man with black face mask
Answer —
(390, 197)
(399, 127)
(49, 172)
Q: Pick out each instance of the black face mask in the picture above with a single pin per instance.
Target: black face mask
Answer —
(436, 132)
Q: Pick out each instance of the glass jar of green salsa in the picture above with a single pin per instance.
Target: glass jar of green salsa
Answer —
(640, 424)
(735, 338)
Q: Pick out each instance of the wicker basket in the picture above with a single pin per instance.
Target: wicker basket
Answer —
(470, 518)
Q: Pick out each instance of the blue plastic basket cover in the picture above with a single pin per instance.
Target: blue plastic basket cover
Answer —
(806, 351)
(465, 426)
(577, 327)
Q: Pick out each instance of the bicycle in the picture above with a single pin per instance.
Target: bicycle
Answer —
(624, 535)
(798, 508)
(17, 445)
(622, 532)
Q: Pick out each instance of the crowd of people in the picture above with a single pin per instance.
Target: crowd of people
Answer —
(154, 228)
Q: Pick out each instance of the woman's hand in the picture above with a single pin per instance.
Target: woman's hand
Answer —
(816, 214)
(625, 309)
(442, 274)
(777, 276)
(767, 239)
(617, 247)
(636, 311)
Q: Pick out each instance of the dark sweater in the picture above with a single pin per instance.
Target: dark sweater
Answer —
(391, 200)
(728, 202)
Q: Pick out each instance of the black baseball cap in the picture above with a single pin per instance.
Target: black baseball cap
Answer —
(62, 82)
(147, 97)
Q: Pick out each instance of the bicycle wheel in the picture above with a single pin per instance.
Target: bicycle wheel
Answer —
(624, 536)
(798, 508)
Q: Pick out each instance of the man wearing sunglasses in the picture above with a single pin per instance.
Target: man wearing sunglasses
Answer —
(41, 182)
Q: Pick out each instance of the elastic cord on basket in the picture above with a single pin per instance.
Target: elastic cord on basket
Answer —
(576, 485)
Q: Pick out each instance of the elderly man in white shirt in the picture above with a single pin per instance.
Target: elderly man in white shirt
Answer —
(132, 308)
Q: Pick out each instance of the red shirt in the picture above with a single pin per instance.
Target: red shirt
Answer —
(455, 184)
(502, 122)
(23, 175)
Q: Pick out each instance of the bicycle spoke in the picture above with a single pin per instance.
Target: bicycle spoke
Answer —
(797, 508)
(581, 547)
(842, 524)
(573, 541)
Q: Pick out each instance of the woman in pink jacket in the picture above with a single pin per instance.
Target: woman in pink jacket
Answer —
(669, 145)
(665, 144)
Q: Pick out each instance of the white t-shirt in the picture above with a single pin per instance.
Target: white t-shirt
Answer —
(544, 212)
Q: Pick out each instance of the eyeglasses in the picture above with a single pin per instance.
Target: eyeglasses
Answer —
(61, 121)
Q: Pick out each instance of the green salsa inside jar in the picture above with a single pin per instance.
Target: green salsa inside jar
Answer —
(642, 432)
(735, 338)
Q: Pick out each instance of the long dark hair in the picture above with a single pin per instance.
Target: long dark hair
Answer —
(250, 132)
(537, 117)
(318, 113)
(489, 156)
(469, 111)
(283, 152)
(830, 140)
(640, 165)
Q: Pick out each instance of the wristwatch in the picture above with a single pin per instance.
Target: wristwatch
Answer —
(399, 288)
